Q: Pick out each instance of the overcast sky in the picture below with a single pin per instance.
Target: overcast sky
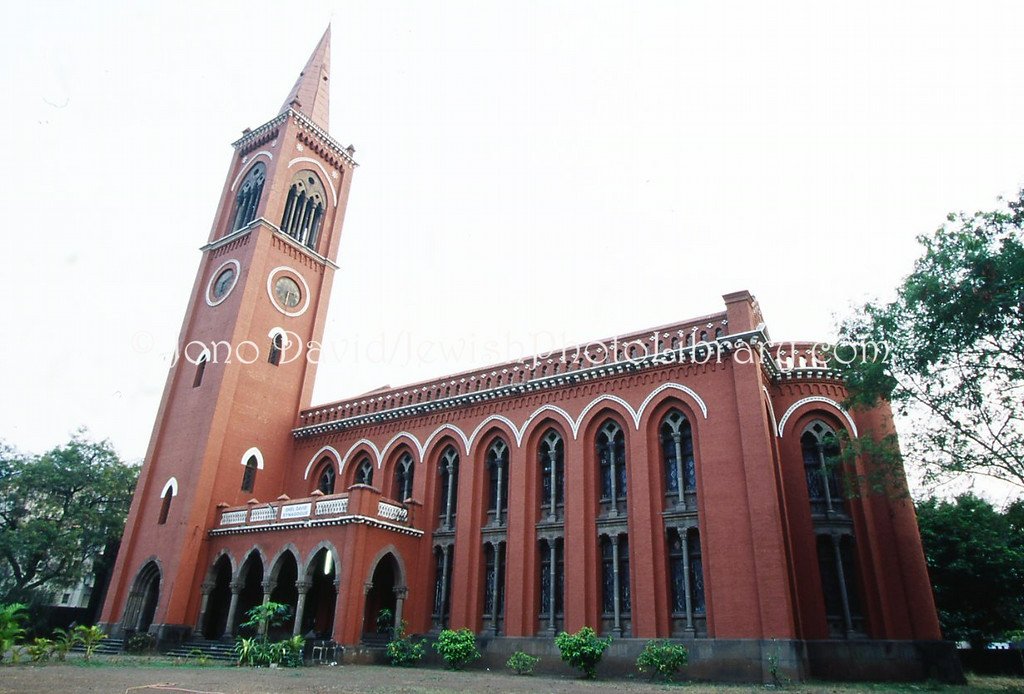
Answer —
(565, 170)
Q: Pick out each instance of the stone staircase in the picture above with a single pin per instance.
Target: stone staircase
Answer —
(214, 650)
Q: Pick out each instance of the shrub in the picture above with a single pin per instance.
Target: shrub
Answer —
(582, 650)
(63, 641)
(139, 642)
(290, 651)
(11, 618)
(662, 659)
(90, 638)
(40, 649)
(457, 647)
(521, 663)
(267, 615)
(402, 650)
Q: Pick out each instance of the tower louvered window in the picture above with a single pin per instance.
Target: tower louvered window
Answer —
(304, 209)
(248, 198)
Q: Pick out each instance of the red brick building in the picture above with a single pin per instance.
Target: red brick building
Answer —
(668, 483)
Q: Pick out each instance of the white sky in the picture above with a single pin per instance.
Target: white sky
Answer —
(568, 169)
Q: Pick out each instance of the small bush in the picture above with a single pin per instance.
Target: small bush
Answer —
(522, 663)
(457, 647)
(662, 659)
(582, 650)
(139, 642)
(63, 641)
(12, 617)
(403, 651)
(90, 638)
(40, 649)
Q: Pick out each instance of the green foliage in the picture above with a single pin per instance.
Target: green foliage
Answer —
(954, 348)
(662, 659)
(199, 656)
(59, 512)
(40, 649)
(403, 650)
(63, 641)
(975, 558)
(273, 614)
(90, 638)
(11, 619)
(139, 642)
(582, 650)
(522, 663)
(260, 652)
(385, 620)
(457, 647)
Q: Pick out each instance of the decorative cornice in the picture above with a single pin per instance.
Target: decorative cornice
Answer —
(260, 221)
(698, 353)
(313, 523)
(305, 123)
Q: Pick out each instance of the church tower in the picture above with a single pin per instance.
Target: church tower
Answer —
(223, 430)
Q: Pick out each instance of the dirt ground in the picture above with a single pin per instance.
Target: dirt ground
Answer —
(124, 676)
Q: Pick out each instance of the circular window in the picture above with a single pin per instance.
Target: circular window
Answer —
(222, 282)
(287, 292)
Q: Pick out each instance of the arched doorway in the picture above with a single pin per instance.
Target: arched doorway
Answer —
(142, 600)
(219, 602)
(251, 595)
(318, 615)
(284, 575)
(381, 603)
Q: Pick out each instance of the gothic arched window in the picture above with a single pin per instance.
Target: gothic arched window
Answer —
(820, 449)
(552, 472)
(611, 456)
(304, 209)
(402, 489)
(677, 456)
(249, 476)
(497, 472)
(248, 198)
(327, 477)
(276, 347)
(448, 468)
(364, 472)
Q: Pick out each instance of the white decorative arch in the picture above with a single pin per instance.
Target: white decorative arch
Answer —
(548, 408)
(327, 176)
(319, 454)
(248, 166)
(671, 386)
(820, 399)
(613, 398)
(253, 452)
(368, 442)
(400, 435)
(496, 418)
(437, 432)
(171, 484)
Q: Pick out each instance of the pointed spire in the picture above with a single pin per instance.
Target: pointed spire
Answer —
(311, 93)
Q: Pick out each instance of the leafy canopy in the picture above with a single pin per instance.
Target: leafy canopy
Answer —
(58, 510)
(975, 558)
(955, 342)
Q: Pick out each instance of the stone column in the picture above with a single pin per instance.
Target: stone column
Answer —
(300, 605)
(207, 588)
(495, 582)
(617, 628)
(445, 568)
(552, 575)
(613, 475)
(825, 477)
(677, 440)
(552, 460)
(497, 501)
(450, 468)
(684, 535)
(268, 588)
(236, 589)
(841, 575)
(401, 593)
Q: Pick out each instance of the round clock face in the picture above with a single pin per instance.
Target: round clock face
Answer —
(287, 292)
(224, 282)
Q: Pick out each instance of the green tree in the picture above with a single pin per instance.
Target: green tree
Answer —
(57, 511)
(975, 557)
(953, 356)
